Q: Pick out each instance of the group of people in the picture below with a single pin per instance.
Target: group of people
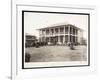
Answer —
(36, 44)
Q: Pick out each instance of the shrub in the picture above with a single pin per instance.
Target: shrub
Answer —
(27, 57)
(37, 45)
(72, 46)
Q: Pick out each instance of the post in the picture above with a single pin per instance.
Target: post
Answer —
(72, 35)
(45, 35)
(75, 35)
(49, 36)
(59, 36)
(40, 35)
(64, 36)
(68, 33)
(54, 31)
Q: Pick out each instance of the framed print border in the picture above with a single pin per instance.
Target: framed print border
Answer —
(17, 68)
(55, 13)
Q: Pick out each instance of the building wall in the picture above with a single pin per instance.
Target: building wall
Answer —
(80, 36)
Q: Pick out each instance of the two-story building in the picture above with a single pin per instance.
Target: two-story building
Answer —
(60, 34)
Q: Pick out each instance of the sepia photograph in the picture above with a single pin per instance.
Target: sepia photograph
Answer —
(55, 39)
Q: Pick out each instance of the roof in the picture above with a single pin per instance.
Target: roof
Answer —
(58, 25)
(29, 35)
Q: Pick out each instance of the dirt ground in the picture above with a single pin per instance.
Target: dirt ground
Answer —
(57, 53)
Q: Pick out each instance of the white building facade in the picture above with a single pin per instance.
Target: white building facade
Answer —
(60, 34)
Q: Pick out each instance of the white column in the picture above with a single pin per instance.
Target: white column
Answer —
(64, 36)
(75, 31)
(75, 34)
(49, 35)
(59, 36)
(54, 31)
(68, 33)
(72, 34)
(49, 40)
(49, 32)
(45, 32)
(76, 39)
(44, 35)
(40, 35)
(72, 30)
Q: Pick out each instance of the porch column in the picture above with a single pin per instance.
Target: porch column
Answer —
(49, 40)
(49, 36)
(54, 31)
(49, 31)
(59, 36)
(40, 35)
(72, 35)
(64, 36)
(44, 35)
(75, 35)
(68, 33)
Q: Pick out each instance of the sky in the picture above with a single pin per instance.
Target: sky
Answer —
(34, 21)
